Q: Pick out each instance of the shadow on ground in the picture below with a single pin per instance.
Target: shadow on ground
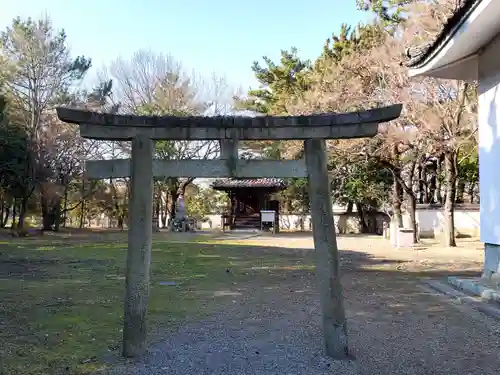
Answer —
(269, 322)
(61, 305)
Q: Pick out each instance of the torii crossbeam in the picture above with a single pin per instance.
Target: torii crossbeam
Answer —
(142, 130)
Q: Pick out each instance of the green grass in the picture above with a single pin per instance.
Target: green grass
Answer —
(61, 304)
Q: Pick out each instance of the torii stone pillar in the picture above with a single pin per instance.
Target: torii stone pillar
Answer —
(326, 251)
(139, 247)
(229, 149)
(314, 130)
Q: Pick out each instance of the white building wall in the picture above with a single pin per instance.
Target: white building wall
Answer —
(489, 141)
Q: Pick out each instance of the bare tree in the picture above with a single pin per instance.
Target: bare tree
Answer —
(156, 84)
(447, 109)
(436, 119)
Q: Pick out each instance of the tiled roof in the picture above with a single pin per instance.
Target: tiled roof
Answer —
(244, 183)
(418, 54)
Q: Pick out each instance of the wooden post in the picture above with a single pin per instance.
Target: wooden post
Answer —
(327, 257)
(139, 248)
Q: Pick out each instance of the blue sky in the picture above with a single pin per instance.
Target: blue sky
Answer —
(208, 36)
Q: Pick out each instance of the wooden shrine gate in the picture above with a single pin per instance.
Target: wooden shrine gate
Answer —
(141, 168)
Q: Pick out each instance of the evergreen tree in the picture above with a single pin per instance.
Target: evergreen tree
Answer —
(279, 83)
(390, 13)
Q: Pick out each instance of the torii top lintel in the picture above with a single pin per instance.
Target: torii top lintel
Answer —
(107, 126)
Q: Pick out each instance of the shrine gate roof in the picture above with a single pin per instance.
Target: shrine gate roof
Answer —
(228, 183)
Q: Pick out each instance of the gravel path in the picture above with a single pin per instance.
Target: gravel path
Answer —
(395, 327)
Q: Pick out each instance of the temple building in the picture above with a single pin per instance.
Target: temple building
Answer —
(247, 198)
(468, 49)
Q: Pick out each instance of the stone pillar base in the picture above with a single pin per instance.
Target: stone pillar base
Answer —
(491, 271)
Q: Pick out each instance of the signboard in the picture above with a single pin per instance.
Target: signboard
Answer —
(267, 216)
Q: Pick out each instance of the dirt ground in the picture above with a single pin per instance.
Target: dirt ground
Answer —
(429, 254)
(396, 325)
(262, 313)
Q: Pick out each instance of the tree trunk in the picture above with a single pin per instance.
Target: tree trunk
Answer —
(2, 211)
(361, 215)
(397, 193)
(3, 208)
(164, 201)
(157, 211)
(22, 213)
(118, 211)
(82, 209)
(426, 190)
(5, 217)
(14, 214)
(82, 215)
(470, 191)
(409, 193)
(287, 205)
(56, 209)
(449, 204)
(157, 204)
(421, 192)
(397, 190)
(439, 187)
(65, 209)
(425, 183)
(173, 201)
(184, 185)
(460, 191)
(412, 212)
(431, 198)
(412, 200)
(349, 207)
(47, 214)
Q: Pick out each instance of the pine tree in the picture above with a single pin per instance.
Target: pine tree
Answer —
(279, 83)
(390, 13)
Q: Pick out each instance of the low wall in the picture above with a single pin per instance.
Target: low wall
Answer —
(345, 223)
(429, 219)
(287, 222)
(214, 221)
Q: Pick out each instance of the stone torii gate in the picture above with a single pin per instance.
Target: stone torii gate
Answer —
(141, 168)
